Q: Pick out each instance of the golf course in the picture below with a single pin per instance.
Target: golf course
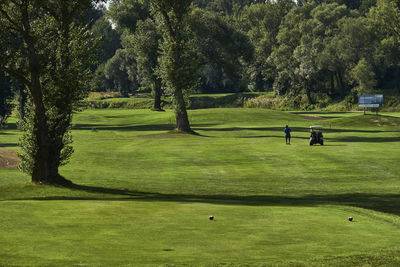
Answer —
(142, 194)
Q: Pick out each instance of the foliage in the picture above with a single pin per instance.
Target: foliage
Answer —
(383, 21)
(126, 13)
(263, 101)
(109, 39)
(144, 44)
(121, 70)
(223, 52)
(307, 48)
(261, 23)
(178, 62)
(54, 64)
(364, 76)
(107, 100)
(6, 96)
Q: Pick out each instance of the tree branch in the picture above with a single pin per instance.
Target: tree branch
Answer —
(163, 10)
(17, 75)
(14, 24)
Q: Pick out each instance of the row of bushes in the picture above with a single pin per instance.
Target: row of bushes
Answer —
(323, 103)
(219, 101)
(248, 100)
(195, 102)
(122, 103)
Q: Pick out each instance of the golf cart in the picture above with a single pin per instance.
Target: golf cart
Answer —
(316, 136)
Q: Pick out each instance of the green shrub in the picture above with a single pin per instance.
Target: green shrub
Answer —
(115, 103)
(263, 102)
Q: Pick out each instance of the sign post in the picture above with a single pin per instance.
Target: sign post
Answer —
(370, 101)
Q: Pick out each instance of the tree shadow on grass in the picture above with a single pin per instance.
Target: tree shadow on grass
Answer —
(275, 136)
(11, 126)
(209, 128)
(378, 138)
(5, 133)
(316, 112)
(362, 139)
(139, 128)
(150, 127)
(388, 203)
(294, 130)
(8, 144)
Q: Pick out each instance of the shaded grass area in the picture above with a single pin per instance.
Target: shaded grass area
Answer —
(142, 195)
(388, 203)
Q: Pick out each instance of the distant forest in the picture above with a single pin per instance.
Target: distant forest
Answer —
(318, 50)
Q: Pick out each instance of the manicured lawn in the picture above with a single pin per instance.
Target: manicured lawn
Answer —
(143, 195)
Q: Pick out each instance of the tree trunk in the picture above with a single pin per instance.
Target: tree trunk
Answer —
(182, 120)
(340, 83)
(332, 84)
(22, 99)
(175, 53)
(157, 95)
(40, 172)
(308, 93)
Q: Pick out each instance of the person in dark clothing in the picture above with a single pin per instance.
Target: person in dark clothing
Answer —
(287, 134)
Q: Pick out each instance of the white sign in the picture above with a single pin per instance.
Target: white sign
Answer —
(368, 105)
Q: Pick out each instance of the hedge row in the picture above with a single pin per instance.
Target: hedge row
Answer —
(195, 102)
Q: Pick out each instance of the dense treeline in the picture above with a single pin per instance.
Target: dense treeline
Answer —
(310, 52)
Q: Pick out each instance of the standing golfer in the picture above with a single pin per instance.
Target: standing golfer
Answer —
(287, 134)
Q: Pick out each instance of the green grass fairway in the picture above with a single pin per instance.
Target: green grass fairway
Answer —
(142, 194)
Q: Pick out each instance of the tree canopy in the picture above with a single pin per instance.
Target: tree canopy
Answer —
(54, 63)
(308, 51)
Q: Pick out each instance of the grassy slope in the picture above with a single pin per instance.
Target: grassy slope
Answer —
(273, 203)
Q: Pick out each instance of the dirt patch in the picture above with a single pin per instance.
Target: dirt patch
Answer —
(315, 118)
(8, 158)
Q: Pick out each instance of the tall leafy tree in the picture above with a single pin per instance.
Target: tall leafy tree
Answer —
(318, 47)
(317, 54)
(6, 96)
(126, 13)
(145, 45)
(140, 40)
(122, 72)
(352, 50)
(261, 23)
(109, 39)
(223, 51)
(179, 67)
(54, 65)
(383, 20)
(282, 57)
(364, 76)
